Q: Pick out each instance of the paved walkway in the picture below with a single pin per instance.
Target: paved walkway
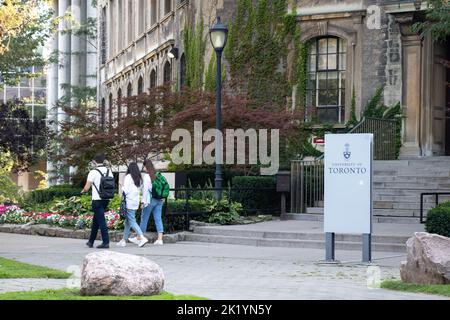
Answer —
(218, 271)
(397, 229)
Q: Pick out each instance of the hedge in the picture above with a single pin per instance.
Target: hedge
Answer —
(438, 220)
(202, 177)
(256, 201)
(46, 195)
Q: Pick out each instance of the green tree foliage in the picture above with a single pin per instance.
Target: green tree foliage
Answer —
(438, 20)
(9, 191)
(24, 47)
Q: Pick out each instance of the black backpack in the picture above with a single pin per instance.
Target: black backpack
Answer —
(107, 188)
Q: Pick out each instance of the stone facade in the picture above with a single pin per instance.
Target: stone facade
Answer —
(380, 51)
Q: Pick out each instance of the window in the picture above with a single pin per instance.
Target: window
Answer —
(120, 39)
(140, 87)
(153, 13)
(103, 37)
(153, 79)
(167, 73)
(103, 113)
(182, 71)
(119, 105)
(167, 6)
(110, 109)
(326, 80)
(129, 94)
(141, 16)
(112, 29)
(130, 21)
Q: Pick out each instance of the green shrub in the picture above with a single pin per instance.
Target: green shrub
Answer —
(259, 201)
(47, 195)
(438, 220)
(202, 177)
(224, 212)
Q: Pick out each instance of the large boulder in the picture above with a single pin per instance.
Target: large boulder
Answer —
(117, 274)
(428, 259)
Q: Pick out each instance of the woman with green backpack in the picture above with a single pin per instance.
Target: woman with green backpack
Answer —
(156, 189)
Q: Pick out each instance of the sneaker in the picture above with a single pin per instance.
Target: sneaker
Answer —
(121, 243)
(103, 246)
(89, 244)
(142, 242)
(158, 243)
(134, 240)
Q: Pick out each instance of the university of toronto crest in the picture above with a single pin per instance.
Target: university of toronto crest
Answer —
(347, 154)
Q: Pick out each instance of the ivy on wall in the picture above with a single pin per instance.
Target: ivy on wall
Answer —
(194, 47)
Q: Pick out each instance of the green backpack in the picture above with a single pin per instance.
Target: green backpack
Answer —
(160, 187)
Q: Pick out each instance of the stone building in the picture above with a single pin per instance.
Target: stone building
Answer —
(77, 61)
(360, 44)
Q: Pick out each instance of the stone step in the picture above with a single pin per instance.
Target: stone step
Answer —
(380, 219)
(410, 178)
(401, 205)
(316, 244)
(441, 187)
(395, 212)
(284, 235)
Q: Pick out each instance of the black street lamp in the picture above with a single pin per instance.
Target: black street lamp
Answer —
(218, 34)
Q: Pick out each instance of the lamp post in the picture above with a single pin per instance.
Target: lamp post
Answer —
(218, 34)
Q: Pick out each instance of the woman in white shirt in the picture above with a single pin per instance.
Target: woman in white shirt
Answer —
(132, 187)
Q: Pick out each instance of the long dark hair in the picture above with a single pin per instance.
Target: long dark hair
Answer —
(135, 173)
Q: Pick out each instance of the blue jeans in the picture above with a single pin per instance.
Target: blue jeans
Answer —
(154, 207)
(130, 222)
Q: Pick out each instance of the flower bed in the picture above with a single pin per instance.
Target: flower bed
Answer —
(16, 215)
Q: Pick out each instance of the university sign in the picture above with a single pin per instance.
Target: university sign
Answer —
(348, 188)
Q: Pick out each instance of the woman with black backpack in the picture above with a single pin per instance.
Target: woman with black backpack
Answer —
(132, 188)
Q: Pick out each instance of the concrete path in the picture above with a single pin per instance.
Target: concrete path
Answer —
(219, 271)
(397, 229)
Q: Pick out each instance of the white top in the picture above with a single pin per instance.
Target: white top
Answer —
(131, 192)
(147, 189)
(95, 177)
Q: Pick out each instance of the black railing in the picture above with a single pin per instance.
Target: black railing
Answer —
(436, 201)
(190, 202)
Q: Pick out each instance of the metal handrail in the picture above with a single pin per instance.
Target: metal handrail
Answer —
(436, 195)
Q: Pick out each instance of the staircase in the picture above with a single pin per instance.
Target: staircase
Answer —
(300, 234)
(397, 186)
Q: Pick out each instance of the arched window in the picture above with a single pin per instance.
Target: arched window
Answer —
(140, 87)
(167, 73)
(119, 105)
(103, 113)
(153, 79)
(182, 71)
(129, 90)
(129, 94)
(326, 79)
(110, 109)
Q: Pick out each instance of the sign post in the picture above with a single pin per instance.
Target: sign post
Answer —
(348, 190)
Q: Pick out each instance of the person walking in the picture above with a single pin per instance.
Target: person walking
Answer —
(101, 180)
(132, 187)
(153, 204)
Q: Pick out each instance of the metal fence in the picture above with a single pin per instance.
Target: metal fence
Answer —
(306, 185)
(307, 177)
(436, 201)
(384, 135)
(190, 203)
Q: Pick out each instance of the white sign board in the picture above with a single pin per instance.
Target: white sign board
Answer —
(348, 183)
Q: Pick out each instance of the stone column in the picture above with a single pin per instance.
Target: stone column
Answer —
(52, 94)
(64, 47)
(412, 75)
(91, 52)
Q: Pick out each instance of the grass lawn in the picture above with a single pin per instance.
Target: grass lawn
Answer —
(74, 294)
(10, 269)
(439, 289)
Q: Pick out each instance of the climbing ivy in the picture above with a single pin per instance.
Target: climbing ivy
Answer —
(194, 47)
(352, 121)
